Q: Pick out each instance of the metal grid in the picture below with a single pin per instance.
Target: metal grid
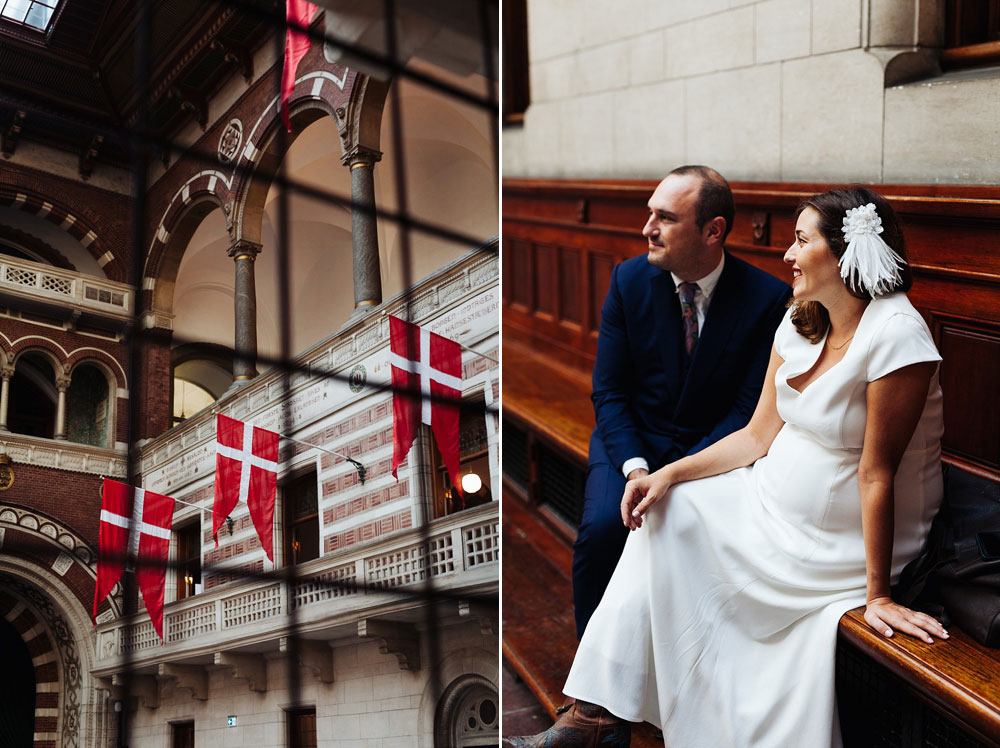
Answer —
(407, 573)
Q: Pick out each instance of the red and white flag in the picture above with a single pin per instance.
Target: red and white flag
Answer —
(246, 469)
(135, 525)
(296, 45)
(426, 388)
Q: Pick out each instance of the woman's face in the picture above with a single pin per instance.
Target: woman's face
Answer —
(815, 273)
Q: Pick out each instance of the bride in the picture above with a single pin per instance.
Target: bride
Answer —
(720, 622)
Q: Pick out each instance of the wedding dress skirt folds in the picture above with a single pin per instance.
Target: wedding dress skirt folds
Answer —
(720, 622)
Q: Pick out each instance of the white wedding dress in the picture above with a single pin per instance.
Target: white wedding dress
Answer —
(720, 622)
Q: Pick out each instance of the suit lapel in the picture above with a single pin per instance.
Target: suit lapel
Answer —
(727, 300)
(667, 327)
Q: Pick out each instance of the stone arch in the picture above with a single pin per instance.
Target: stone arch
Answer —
(65, 622)
(84, 420)
(192, 203)
(46, 346)
(111, 365)
(77, 226)
(258, 174)
(476, 662)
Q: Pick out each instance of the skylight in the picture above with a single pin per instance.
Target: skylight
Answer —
(33, 13)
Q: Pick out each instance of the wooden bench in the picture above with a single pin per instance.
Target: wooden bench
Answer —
(959, 678)
(560, 241)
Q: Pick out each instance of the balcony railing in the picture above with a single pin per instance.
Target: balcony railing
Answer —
(48, 285)
(331, 593)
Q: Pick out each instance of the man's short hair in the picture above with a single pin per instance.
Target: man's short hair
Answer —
(714, 198)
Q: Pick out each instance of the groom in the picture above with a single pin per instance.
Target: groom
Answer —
(685, 338)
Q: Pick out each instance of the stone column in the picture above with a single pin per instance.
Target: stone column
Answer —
(244, 362)
(6, 372)
(62, 384)
(364, 229)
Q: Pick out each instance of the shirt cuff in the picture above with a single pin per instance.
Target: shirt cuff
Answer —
(632, 464)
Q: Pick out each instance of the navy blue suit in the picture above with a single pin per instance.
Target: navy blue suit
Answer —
(651, 402)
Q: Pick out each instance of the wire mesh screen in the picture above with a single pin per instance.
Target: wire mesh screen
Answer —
(156, 163)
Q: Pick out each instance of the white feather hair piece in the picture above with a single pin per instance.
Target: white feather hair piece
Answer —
(868, 261)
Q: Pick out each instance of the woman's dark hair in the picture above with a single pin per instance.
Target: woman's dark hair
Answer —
(810, 317)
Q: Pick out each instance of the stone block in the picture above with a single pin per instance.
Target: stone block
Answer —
(648, 58)
(373, 725)
(554, 28)
(402, 722)
(359, 689)
(347, 727)
(603, 68)
(649, 130)
(586, 130)
(601, 23)
(894, 23)
(943, 130)
(554, 79)
(672, 12)
(408, 741)
(733, 122)
(836, 25)
(823, 137)
(719, 42)
(542, 139)
(782, 30)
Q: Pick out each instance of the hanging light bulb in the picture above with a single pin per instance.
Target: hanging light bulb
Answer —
(471, 483)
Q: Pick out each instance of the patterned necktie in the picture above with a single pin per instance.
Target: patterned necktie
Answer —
(687, 291)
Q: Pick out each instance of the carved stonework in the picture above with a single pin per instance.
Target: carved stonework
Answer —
(66, 647)
(396, 638)
(230, 142)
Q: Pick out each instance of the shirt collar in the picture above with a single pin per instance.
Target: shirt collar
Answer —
(708, 283)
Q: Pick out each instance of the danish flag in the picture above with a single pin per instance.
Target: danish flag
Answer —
(426, 388)
(246, 469)
(300, 13)
(135, 524)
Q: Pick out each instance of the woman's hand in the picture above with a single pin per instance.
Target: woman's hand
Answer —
(883, 615)
(641, 494)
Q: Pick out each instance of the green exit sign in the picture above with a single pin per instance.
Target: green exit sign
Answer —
(231, 720)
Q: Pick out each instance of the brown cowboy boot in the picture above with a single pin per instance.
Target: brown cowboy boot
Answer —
(583, 725)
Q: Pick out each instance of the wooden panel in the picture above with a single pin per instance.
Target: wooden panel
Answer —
(950, 232)
(601, 266)
(570, 285)
(521, 287)
(545, 280)
(970, 375)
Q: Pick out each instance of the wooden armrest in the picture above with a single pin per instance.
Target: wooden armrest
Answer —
(959, 675)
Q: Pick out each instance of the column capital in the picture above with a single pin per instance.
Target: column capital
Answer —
(244, 249)
(359, 156)
(6, 372)
(62, 382)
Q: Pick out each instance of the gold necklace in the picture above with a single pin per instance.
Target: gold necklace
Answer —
(838, 347)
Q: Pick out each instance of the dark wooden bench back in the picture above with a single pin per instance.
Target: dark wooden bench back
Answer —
(562, 238)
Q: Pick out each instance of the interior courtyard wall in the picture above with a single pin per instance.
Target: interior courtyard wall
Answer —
(766, 90)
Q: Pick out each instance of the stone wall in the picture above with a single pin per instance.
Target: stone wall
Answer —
(772, 90)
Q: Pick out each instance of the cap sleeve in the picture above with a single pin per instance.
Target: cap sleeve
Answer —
(784, 335)
(902, 340)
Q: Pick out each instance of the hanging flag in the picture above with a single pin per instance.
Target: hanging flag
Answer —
(135, 525)
(425, 368)
(246, 469)
(296, 45)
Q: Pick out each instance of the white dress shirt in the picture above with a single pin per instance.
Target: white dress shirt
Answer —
(702, 298)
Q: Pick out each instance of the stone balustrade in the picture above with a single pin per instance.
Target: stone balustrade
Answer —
(460, 554)
(48, 284)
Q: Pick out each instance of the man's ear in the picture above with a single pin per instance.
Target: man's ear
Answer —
(714, 230)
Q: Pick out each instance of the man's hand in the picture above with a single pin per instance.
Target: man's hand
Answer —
(637, 473)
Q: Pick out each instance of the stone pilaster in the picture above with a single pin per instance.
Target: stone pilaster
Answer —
(244, 253)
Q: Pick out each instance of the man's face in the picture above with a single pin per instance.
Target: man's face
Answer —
(675, 242)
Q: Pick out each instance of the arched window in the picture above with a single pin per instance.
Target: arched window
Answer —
(88, 407)
(202, 372)
(33, 397)
(468, 714)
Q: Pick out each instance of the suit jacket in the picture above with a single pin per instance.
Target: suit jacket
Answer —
(646, 404)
